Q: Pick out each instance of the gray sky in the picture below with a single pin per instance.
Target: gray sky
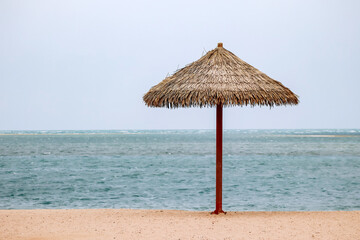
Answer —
(86, 64)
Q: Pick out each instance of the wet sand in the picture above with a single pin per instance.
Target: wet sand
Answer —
(106, 224)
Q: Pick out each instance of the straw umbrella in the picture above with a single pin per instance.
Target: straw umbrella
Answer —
(219, 78)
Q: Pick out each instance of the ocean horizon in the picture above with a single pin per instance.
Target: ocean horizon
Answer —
(263, 169)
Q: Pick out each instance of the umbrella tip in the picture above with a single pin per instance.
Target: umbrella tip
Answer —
(220, 44)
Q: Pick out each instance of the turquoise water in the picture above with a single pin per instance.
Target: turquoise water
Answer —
(175, 169)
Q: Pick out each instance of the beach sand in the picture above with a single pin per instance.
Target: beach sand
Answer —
(118, 224)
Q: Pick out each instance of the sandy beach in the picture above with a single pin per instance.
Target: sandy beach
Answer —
(106, 224)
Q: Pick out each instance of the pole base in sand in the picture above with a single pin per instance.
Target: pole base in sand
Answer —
(217, 211)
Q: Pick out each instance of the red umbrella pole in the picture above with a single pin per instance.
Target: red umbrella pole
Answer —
(219, 132)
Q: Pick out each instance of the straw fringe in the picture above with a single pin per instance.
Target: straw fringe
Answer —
(219, 77)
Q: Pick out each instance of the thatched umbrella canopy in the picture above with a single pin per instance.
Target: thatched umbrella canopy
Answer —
(219, 78)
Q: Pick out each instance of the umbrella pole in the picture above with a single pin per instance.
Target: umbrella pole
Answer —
(219, 132)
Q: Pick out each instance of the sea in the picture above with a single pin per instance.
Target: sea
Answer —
(263, 170)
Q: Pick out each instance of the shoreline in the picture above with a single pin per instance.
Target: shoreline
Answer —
(104, 224)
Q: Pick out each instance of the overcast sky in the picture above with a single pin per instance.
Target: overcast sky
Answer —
(82, 64)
